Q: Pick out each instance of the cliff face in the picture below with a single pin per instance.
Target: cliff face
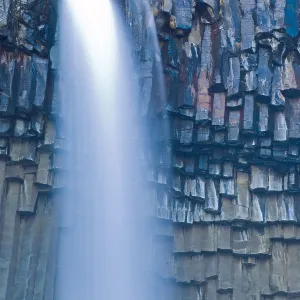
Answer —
(227, 205)
(229, 200)
(30, 150)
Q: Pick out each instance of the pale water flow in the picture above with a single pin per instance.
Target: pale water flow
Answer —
(103, 242)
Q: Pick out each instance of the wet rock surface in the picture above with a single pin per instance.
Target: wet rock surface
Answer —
(29, 151)
(224, 189)
(229, 214)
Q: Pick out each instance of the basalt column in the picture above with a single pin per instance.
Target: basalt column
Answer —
(224, 189)
(30, 150)
(227, 205)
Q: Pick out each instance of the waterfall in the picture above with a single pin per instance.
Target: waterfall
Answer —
(103, 230)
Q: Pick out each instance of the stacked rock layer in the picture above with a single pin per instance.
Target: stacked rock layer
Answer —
(225, 182)
(30, 150)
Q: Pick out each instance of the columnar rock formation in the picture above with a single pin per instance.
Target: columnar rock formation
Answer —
(30, 150)
(225, 184)
(229, 197)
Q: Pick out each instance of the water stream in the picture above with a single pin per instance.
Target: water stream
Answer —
(103, 233)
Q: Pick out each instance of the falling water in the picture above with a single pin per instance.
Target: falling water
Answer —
(101, 248)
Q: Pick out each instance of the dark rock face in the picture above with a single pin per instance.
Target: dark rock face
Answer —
(225, 186)
(228, 210)
(30, 151)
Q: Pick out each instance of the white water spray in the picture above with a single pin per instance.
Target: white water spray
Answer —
(101, 246)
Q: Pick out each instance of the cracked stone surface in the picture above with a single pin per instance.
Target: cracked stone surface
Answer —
(31, 150)
(224, 188)
(227, 202)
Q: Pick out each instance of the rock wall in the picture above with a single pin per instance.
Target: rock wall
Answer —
(30, 150)
(228, 200)
(225, 184)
